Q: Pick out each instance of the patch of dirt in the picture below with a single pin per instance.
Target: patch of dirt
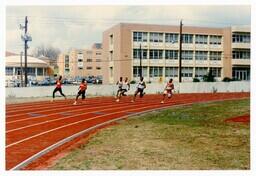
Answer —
(241, 119)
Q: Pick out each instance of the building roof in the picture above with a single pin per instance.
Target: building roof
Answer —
(8, 53)
(15, 59)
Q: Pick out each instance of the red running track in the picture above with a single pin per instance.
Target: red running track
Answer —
(32, 128)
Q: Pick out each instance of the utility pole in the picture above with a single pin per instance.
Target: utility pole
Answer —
(21, 69)
(180, 51)
(140, 61)
(26, 38)
(25, 49)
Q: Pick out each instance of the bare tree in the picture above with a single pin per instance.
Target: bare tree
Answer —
(47, 51)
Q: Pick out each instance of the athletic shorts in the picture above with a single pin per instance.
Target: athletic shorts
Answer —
(81, 93)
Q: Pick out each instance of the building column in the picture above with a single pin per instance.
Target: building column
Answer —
(13, 71)
(36, 71)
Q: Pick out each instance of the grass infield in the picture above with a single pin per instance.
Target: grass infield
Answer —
(183, 138)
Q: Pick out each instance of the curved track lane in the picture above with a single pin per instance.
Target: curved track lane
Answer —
(32, 129)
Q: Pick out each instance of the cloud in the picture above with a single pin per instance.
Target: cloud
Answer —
(80, 26)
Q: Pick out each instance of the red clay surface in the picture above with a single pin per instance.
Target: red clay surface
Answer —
(32, 127)
(242, 119)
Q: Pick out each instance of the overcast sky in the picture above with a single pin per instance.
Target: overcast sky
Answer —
(80, 26)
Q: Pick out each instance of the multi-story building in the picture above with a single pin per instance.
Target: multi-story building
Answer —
(241, 53)
(84, 62)
(223, 51)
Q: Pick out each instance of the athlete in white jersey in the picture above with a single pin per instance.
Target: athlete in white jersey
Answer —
(125, 88)
(140, 88)
(119, 85)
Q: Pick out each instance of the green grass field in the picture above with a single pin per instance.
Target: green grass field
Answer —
(184, 138)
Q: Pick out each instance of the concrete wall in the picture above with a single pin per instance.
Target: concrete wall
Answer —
(109, 90)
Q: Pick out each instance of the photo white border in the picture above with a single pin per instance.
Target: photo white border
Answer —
(131, 2)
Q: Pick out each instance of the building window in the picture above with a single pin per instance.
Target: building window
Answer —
(156, 37)
(201, 55)
(215, 39)
(111, 55)
(201, 71)
(31, 71)
(156, 71)
(140, 36)
(241, 54)
(201, 39)
(171, 38)
(80, 60)
(136, 53)
(88, 68)
(156, 54)
(66, 58)
(215, 55)
(98, 68)
(89, 52)
(171, 71)
(98, 60)
(111, 71)
(187, 38)
(216, 72)
(89, 60)
(187, 55)
(9, 71)
(136, 71)
(171, 54)
(98, 53)
(111, 39)
(186, 71)
(40, 71)
(241, 38)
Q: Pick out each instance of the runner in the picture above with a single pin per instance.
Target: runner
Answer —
(140, 88)
(58, 88)
(125, 88)
(82, 90)
(120, 85)
(168, 90)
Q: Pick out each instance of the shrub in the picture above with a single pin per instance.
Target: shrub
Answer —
(196, 80)
(133, 82)
(227, 79)
(209, 77)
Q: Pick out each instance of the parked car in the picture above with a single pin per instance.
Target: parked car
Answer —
(44, 82)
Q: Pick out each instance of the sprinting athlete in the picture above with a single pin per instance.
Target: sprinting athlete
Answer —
(119, 85)
(82, 90)
(168, 90)
(140, 88)
(58, 88)
(125, 88)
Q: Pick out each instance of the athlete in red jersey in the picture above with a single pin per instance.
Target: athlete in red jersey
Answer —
(58, 88)
(82, 89)
(168, 90)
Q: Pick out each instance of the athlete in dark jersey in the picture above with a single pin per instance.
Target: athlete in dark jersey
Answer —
(58, 88)
(82, 90)
(168, 90)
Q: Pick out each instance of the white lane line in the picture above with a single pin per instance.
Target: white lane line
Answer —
(21, 111)
(71, 116)
(48, 115)
(74, 123)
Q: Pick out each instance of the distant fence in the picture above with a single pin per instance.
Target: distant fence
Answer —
(109, 90)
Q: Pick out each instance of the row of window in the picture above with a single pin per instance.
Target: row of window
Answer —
(241, 38)
(173, 38)
(89, 68)
(173, 71)
(173, 54)
(30, 70)
(244, 54)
